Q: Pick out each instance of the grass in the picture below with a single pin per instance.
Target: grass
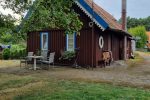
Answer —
(70, 90)
(133, 62)
(36, 88)
(13, 82)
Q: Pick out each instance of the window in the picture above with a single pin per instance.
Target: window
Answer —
(71, 42)
(44, 41)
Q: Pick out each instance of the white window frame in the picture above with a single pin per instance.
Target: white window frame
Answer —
(67, 44)
(42, 35)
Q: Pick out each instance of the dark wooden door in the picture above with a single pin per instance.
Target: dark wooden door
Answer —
(115, 47)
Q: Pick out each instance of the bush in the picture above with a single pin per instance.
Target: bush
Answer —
(6, 54)
(139, 32)
(67, 55)
(6, 38)
(17, 51)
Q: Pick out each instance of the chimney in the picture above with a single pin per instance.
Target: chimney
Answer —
(124, 20)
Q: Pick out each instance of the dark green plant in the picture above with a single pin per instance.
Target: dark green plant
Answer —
(67, 55)
(38, 52)
(17, 51)
(6, 53)
(134, 22)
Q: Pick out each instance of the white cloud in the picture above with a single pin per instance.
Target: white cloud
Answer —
(9, 11)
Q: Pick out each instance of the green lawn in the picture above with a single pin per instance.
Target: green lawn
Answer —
(37, 88)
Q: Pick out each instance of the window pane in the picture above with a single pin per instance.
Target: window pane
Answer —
(45, 41)
(70, 42)
(70, 36)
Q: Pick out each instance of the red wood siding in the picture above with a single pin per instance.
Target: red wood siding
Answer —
(112, 41)
(84, 43)
(33, 41)
(115, 47)
(57, 42)
(129, 48)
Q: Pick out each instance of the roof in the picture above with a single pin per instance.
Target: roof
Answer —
(101, 17)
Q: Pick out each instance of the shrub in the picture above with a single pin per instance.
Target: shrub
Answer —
(6, 54)
(17, 51)
(139, 32)
(6, 38)
(67, 55)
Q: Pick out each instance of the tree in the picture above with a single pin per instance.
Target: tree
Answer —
(45, 14)
(140, 32)
(17, 6)
(7, 27)
(134, 22)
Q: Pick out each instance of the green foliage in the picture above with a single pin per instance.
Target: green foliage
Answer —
(139, 31)
(47, 14)
(7, 21)
(6, 38)
(17, 6)
(44, 14)
(6, 53)
(134, 22)
(67, 55)
(17, 51)
(7, 28)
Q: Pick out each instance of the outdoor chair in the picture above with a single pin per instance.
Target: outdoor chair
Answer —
(107, 57)
(26, 60)
(49, 60)
(44, 56)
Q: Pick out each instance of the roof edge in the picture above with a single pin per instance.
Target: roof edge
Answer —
(121, 31)
(98, 20)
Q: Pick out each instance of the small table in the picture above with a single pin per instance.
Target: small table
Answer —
(35, 57)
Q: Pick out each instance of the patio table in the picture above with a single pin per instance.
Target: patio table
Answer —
(35, 57)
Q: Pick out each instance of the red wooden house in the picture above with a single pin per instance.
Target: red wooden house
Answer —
(106, 34)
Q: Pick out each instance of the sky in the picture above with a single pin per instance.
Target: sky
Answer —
(8, 11)
(135, 8)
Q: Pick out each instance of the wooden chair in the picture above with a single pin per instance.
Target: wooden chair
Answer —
(107, 57)
(26, 60)
(49, 60)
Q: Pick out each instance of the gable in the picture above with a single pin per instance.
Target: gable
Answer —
(92, 14)
(100, 17)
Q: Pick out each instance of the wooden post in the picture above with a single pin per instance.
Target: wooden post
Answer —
(125, 47)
